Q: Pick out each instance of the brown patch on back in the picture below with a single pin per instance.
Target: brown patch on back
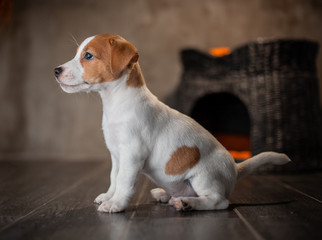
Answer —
(182, 159)
(135, 79)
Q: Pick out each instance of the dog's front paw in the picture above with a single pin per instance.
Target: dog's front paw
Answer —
(102, 198)
(111, 207)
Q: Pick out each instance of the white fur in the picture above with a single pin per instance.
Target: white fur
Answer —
(142, 133)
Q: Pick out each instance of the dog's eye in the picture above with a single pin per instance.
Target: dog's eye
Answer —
(88, 56)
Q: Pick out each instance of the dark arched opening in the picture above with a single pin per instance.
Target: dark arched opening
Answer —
(227, 118)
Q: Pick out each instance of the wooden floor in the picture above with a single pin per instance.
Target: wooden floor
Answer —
(54, 200)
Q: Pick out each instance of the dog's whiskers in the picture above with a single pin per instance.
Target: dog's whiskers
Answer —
(74, 39)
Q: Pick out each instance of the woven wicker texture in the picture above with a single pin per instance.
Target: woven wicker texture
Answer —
(277, 81)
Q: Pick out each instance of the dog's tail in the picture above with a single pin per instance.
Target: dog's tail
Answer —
(246, 167)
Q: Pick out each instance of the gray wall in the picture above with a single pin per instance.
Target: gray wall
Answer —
(40, 121)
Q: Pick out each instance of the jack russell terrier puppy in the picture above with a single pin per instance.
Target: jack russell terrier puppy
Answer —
(143, 135)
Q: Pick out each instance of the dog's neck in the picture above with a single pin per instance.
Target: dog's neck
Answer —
(128, 88)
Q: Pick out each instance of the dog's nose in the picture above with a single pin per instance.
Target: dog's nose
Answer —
(57, 71)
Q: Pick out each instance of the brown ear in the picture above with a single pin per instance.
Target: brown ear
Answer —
(123, 54)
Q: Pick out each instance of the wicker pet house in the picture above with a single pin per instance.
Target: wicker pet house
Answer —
(276, 80)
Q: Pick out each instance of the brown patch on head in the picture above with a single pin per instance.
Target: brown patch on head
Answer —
(113, 55)
(182, 159)
(123, 54)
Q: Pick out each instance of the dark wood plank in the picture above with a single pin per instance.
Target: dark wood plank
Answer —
(72, 215)
(10, 173)
(275, 212)
(153, 220)
(201, 227)
(35, 183)
(262, 208)
(308, 183)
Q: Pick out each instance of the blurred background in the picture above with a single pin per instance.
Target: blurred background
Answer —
(40, 121)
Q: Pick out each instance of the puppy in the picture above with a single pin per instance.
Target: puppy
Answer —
(143, 135)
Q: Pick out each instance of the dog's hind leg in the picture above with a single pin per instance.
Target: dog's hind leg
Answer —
(211, 196)
(209, 202)
(160, 195)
